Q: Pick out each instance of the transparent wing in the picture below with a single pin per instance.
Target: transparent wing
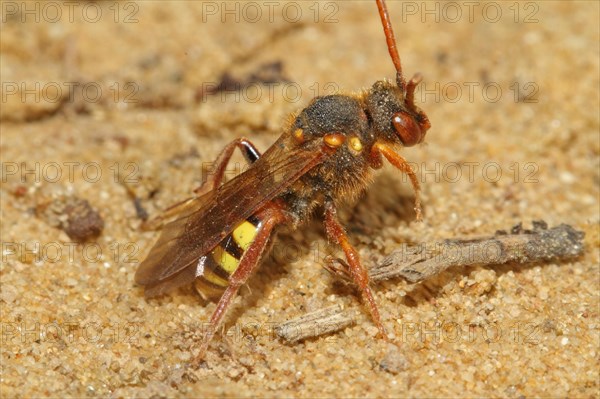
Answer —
(206, 220)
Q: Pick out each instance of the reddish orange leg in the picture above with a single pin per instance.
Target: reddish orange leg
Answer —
(249, 151)
(270, 217)
(404, 167)
(338, 267)
(357, 272)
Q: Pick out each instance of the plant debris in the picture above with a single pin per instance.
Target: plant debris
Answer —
(520, 246)
(419, 263)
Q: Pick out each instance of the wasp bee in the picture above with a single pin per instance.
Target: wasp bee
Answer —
(326, 154)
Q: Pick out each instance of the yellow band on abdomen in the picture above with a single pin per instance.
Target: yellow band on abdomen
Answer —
(225, 259)
(244, 234)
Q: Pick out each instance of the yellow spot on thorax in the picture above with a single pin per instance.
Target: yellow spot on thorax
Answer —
(299, 135)
(334, 140)
(355, 144)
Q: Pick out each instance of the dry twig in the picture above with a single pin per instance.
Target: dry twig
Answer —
(418, 263)
(314, 324)
(520, 246)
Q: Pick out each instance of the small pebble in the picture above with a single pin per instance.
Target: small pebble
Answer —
(394, 361)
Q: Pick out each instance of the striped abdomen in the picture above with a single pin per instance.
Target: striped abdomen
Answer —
(213, 269)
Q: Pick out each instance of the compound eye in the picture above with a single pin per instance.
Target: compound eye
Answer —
(407, 128)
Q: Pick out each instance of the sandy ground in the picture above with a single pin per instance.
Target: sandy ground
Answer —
(97, 97)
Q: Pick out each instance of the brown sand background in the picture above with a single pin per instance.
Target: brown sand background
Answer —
(75, 324)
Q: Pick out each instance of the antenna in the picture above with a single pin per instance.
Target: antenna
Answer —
(391, 42)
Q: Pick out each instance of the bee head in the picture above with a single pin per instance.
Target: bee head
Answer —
(394, 106)
(394, 113)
